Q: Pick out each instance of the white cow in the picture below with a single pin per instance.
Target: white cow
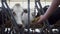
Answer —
(20, 15)
(17, 10)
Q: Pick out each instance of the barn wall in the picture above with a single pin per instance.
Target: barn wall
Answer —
(24, 4)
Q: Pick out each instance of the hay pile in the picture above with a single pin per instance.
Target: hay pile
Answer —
(33, 25)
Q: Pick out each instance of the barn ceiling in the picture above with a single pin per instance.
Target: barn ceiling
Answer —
(25, 0)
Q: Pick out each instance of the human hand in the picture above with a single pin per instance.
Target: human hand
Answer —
(41, 19)
(37, 22)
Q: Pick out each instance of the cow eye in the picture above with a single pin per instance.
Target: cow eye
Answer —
(14, 13)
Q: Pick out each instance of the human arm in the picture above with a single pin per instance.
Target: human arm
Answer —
(50, 10)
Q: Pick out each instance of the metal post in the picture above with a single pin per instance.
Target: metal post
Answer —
(28, 15)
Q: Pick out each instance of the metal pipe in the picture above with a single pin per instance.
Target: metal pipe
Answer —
(28, 15)
(10, 13)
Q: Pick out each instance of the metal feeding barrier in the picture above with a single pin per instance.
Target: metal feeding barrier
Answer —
(9, 12)
(13, 19)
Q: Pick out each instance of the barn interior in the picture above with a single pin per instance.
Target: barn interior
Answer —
(20, 16)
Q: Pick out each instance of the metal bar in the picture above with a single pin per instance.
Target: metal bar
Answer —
(28, 15)
(37, 7)
(10, 13)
